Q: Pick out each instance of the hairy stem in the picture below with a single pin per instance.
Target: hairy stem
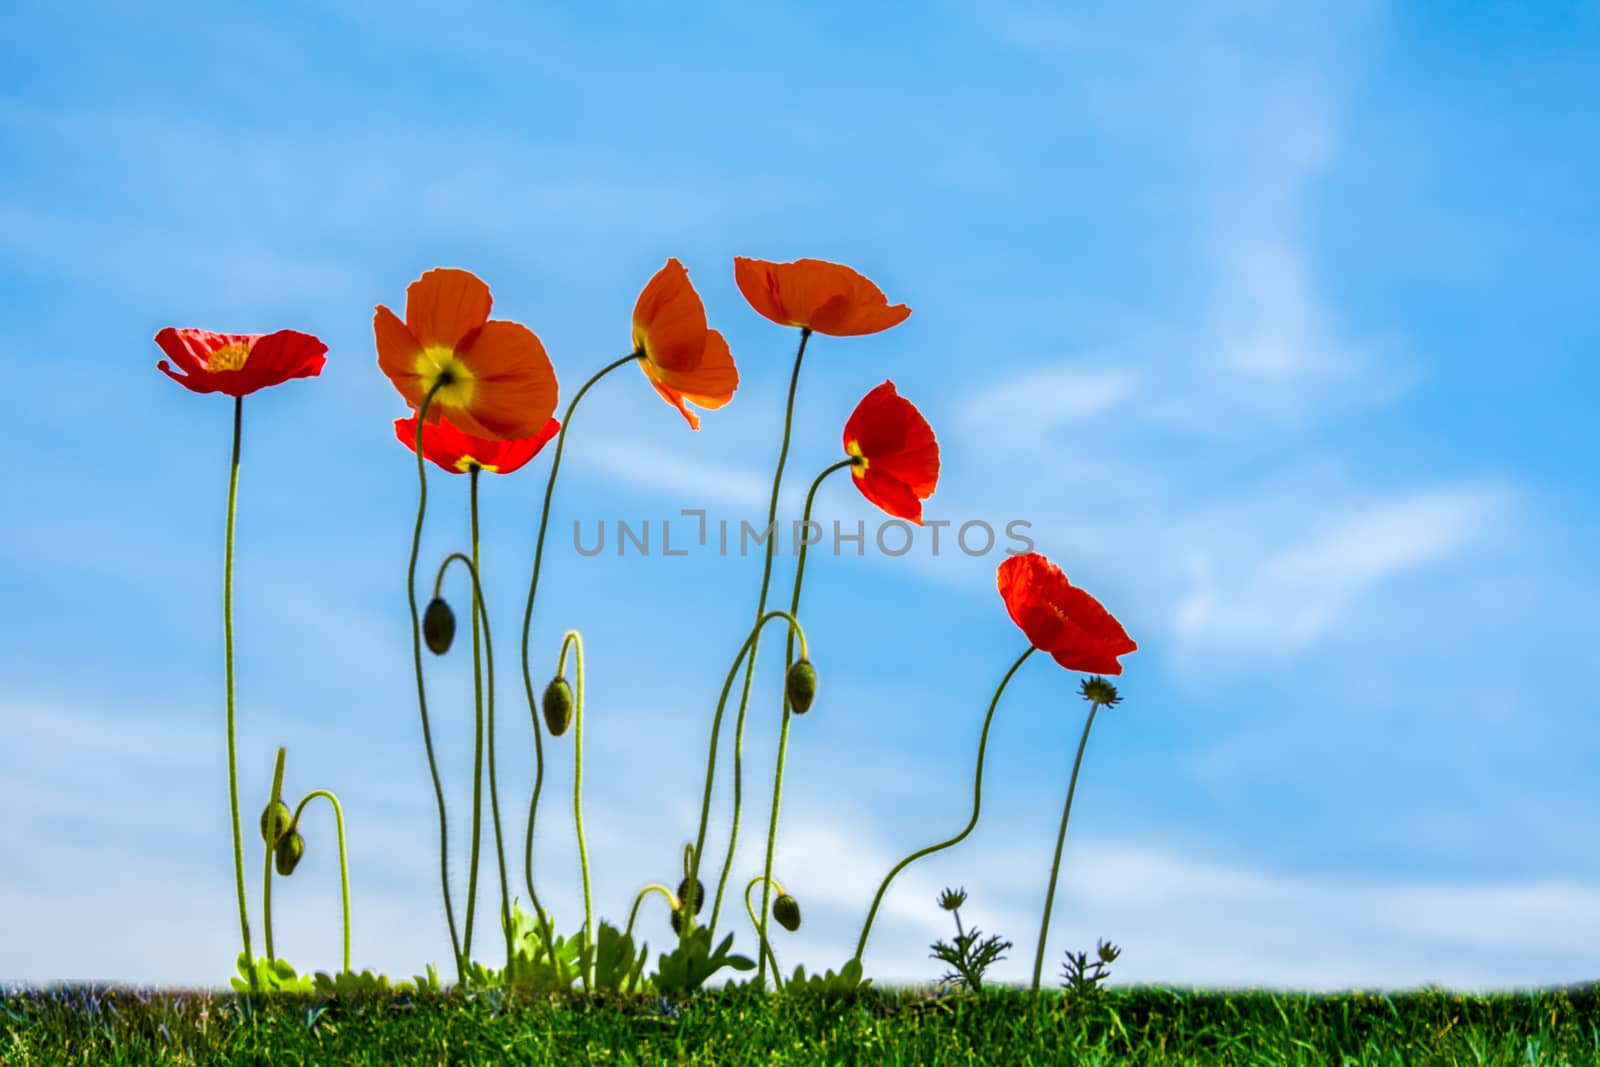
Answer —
(1061, 837)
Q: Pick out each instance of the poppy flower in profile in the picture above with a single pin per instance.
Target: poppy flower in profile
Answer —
(817, 295)
(895, 459)
(1060, 618)
(497, 381)
(685, 361)
(239, 363)
(459, 452)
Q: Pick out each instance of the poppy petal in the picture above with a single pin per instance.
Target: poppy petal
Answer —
(889, 493)
(515, 386)
(828, 298)
(445, 306)
(397, 354)
(669, 321)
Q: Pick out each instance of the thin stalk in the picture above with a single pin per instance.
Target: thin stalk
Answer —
(422, 696)
(477, 734)
(344, 860)
(977, 801)
(575, 641)
(527, 625)
(1061, 837)
(761, 926)
(783, 732)
(653, 887)
(227, 647)
(711, 762)
(761, 607)
(266, 867)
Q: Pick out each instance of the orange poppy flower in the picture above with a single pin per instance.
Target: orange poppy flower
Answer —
(498, 381)
(820, 296)
(1060, 618)
(683, 359)
(239, 363)
(895, 457)
(458, 452)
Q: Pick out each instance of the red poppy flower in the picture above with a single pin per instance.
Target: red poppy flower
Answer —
(821, 296)
(896, 459)
(458, 452)
(239, 363)
(498, 381)
(1060, 618)
(683, 359)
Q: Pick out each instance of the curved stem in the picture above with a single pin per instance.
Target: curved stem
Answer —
(527, 625)
(344, 860)
(1061, 837)
(761, 925)
(761, 606)
(653, 887)
(422, 696)
(977, 801)
(482, 615)
(266, 867)
(783, 732)
(575, 641)
(477, 733)
(711, 762)
(227, 648)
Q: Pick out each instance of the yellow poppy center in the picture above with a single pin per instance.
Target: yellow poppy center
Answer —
(466, 463)
(228, 357)
(436, 363)
(859, 462)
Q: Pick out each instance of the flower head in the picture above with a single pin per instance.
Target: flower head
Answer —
(895, 457)
(459, 452)
(239, 363)
(951, 899)
(1060, 618)
(685, 361)
(816, 295)
(493, 377)
(1097, 690)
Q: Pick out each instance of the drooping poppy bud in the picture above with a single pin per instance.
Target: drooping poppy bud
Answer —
(802, 686)
(677, 920)
(291, 846)
(274, 821)
(557, 706)
(786, 910)
(699, 900)
(438, 626)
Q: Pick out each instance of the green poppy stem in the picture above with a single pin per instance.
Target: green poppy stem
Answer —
(422, 696)
(575, 642)
(527, 625)
(477, 732)
(653, 887)
(344, 860)
(783, 733)
(977, 802)
(1061, 837)
(711, 763)
(481, 614)
(227, 646)
(761, 926)
(761, 607)
(266, 867)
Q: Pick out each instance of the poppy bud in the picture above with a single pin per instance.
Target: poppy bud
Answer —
(291, 846)
(438, 626)
(801, 684)
(274, 821)
(699, 895)
(786, 910)
(677, 920)
(557, 706)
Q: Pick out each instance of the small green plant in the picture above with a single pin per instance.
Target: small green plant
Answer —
(269, 976)
(828, 986)
(969, 956)
(686, 968)
(1085, 978)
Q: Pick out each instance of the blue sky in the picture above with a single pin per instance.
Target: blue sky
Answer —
(1278, 331)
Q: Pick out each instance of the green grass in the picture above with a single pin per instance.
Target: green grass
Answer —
(1143, 1025)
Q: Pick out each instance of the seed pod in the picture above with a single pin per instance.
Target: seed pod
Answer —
(557, 706)
(274, 821)
(438, 626)
(802, 686)
(786, 910)
(291, 846)
(699, 895)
